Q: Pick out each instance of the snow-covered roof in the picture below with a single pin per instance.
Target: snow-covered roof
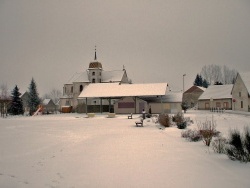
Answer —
(79, 77)
(217, 92)
(195, 89)
(173, 97)
(246, 79)
(123, 90)
(46, 101)
(170, 97)
(112, 76)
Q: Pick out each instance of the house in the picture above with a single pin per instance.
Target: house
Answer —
(241, 92)
(216, 96)
(125, 98)
(93, 75)
(192, 95)
(48, 106)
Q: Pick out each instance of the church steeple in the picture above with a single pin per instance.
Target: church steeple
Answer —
(95, 54)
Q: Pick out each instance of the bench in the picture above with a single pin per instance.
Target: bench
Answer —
(90, 115)
(130, 116)
(111, 115)
(139, 123)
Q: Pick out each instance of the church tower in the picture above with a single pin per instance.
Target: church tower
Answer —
(95, 71)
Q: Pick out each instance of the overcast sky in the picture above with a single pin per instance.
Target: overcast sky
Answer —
(156, 41)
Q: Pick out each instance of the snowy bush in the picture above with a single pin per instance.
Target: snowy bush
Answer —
(207, 130)
(191, 135)
(178, 118)
(164, 120)
(239, 145)
(219, 144)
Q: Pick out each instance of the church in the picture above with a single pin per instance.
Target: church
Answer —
(94, 74)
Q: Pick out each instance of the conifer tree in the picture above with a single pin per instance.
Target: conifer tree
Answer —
(198, 80)
(205, 83)
(33, 100)
(16, 107)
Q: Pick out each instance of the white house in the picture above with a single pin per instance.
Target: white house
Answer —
(241, 92)
(216, 96)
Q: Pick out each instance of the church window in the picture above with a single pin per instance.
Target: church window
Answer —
(81, 88)
(93, 80)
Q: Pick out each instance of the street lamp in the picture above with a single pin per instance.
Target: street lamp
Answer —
(183, 82)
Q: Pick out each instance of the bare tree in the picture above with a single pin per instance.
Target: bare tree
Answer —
(216, 74)
(4, 93)
(4, 99)
(229, 75)
(55, 95)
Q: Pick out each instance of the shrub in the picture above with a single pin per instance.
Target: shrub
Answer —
(164, 120)
(219, 144)
(239, 145)
(184, 106)
(207, 130)
(181, 125)
(191, 135)
(178, 118)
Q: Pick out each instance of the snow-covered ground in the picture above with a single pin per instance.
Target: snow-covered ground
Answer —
(69, 150)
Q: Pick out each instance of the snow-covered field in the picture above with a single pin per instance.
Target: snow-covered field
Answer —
(69, 150)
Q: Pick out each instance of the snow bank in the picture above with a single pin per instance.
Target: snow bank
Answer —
(70, 150)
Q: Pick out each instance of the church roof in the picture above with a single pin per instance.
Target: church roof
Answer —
(123, 90)
(217, 92)
(79, 77)
(95, 65)
(112, 76)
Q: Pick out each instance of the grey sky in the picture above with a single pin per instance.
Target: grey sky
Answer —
(156, 41)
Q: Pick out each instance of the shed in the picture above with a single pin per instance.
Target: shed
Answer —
(133, 93)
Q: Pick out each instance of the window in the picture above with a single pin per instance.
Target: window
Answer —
(207, 106)
(225, 105)
(239, 94)
(67, 103)
(241, 104)
(93, 80)
(218, 104)
(93, 73)
(81, 88)
(71, 89)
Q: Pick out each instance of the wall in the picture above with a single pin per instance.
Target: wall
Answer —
(213, 104)
(124, 106)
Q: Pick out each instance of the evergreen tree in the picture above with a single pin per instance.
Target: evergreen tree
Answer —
(33, 100)
(205, 83)
(198, 80)
(16, 106)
